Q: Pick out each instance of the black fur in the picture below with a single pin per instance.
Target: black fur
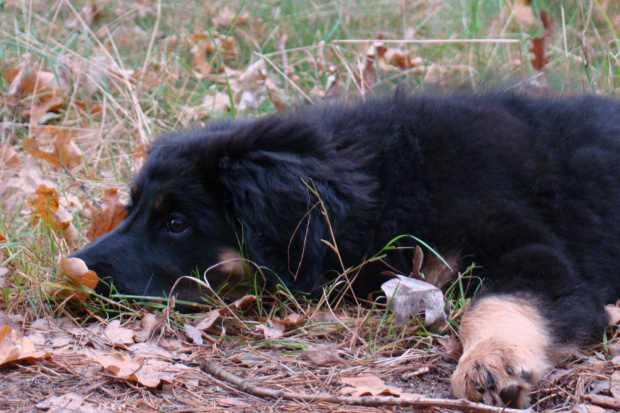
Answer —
(528, 188)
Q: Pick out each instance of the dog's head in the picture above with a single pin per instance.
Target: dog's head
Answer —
(204, 195)
(177, 225)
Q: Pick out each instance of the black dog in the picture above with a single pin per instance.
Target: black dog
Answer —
(528, 188)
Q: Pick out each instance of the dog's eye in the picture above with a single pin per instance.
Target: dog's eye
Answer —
(176, 225)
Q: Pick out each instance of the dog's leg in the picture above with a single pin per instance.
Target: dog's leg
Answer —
(522, 325)
(506, 347)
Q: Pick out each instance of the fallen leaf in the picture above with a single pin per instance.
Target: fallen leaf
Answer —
(213, 315)
(78, 272)
(65, 151)
(218, 103)
(368, 385)
(8, 157)
(401, 59)
(366, 71)
(148, 324)
(539, 44)
(200, 55)
(152, 373)
(227, 17)
(64, 403)
(322, 354)
(117, 334)
(46, 206)
(614, 387)
(453, 346)
(271, 330)
(104, 220)
(120, 364)
(193, 334)
(409, 296)
(14, 346)
(42, 106)
(92, 108)
(290, 319)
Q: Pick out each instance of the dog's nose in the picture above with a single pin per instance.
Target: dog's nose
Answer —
(510, 395)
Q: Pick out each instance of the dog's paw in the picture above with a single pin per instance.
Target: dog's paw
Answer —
(496, 373)
(506, 351)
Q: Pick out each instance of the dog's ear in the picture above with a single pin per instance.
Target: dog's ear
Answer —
(275, 198)
(291, 185)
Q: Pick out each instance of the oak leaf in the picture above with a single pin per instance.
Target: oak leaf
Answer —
(368, 385)
(65, 151)
(104, 220)
(76, 270)
(14, 346)
(46, 206)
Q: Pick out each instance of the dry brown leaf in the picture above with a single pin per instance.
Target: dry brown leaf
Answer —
(14, 346)
(45, 206)
(271, 330)
(118, 334)
(539, 44)
(148, 324)
(401, 59)
(213, 315)
(8, 157)
(65, 151)
(70, 402)
(38, 81)
(120, 364)
(614, 387)
(200, 55)
(152, 373)
(139, 152)
(43, 105)
(366, 71)
(290, 319)
(227, 17)
(368, 385)
(193, 334)
(322, 354)
(453, 346)
(78, 272)
(104, 220)
(93, 108)
(218, 103)
(335, 87)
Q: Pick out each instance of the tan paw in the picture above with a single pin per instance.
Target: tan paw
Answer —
(493, 373)
(506, 351)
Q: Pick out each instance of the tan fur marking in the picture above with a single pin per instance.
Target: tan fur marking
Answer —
(230, 262)
(506, 337)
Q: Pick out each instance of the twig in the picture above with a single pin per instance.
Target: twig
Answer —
(426, 41)
(245, 386)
